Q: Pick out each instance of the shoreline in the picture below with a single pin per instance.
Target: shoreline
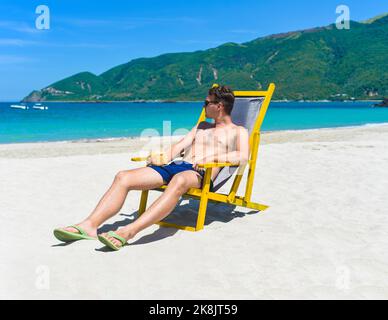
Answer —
(129, 138)
(140, 146)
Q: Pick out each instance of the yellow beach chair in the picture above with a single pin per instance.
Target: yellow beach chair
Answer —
(249, 111)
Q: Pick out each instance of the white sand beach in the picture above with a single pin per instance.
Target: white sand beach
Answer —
(325, 235)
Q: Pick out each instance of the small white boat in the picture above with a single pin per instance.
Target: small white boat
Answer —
(39, 106)
(19, 106)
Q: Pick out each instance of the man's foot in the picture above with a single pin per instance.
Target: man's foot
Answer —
(126, 235)
(86, 226)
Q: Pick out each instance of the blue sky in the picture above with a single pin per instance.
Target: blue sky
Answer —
(97, 35)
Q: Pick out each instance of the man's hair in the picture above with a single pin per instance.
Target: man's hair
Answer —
(225, 95)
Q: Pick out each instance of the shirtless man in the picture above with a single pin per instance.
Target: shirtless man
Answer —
(221, 141)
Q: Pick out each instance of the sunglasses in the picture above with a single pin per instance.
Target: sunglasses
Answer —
(209, 102)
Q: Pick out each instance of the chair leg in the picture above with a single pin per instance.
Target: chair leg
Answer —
(143, 202)
(202, 213)
(204, 200)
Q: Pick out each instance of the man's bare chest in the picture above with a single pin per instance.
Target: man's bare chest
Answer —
(215, 138)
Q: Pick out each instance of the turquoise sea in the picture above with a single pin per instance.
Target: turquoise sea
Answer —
(89, 121)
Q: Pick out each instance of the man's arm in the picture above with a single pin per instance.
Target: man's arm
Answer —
(175, 150)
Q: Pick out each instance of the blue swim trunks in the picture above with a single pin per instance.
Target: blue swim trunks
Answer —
(169, 170)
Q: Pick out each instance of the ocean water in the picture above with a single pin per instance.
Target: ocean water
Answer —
(84, 121)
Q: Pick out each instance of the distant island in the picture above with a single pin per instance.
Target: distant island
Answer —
(323, 63)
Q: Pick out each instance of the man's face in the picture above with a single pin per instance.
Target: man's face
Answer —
(212, 107)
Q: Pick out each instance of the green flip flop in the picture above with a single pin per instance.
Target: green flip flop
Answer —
(67, 236)
(109, 243)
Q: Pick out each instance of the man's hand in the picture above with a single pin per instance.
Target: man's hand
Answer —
(157, 159)
(202, 161)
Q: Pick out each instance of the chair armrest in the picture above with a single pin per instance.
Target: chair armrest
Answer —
(138, 159)
(217, 165)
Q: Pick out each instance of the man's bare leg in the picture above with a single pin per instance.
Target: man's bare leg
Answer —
(162, 207)
(113, 200)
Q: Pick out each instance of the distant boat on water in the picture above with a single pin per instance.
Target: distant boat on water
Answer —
(39, 106)
(19, 106)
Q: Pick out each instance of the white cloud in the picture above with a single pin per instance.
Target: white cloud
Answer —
(11, 59)
(16, 42)
(79, 45)
(130, 23)
(18, 26)
(22, 43)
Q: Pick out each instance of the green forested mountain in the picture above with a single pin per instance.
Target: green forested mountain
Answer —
(319, 63)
